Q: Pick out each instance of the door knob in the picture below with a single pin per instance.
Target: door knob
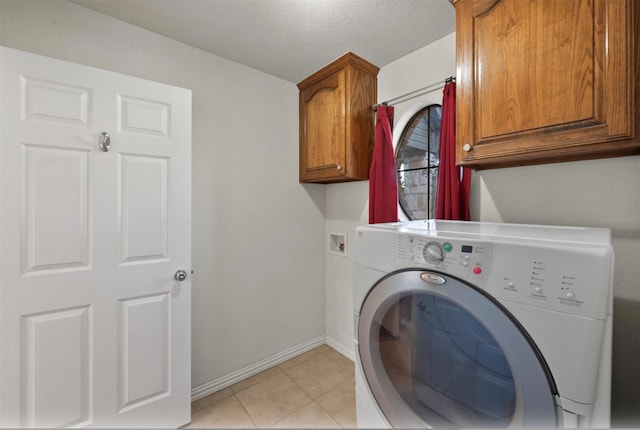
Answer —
(180, 275)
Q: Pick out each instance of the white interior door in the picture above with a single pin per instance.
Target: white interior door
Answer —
(95, 330)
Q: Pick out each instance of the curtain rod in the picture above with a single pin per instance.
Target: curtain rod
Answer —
(415, 93)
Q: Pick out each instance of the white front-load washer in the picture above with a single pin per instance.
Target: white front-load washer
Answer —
(463, 324)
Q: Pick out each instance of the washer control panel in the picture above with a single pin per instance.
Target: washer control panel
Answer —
(465, 260)
(574, 281)
(568, 279)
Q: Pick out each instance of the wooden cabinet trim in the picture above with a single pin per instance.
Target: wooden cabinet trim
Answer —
(330, 83)
(337, 64)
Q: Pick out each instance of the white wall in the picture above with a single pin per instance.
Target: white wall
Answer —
(604, 193)
(258, 235)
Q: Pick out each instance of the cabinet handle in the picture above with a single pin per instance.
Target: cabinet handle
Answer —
(339, 167)
(466, 147)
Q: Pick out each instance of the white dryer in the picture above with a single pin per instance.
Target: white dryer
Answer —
(463, 324)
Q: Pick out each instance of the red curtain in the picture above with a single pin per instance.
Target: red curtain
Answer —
(383, 185)
(452, 201)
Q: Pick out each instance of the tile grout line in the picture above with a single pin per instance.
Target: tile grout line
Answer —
(252, 385)
(292, 381)
(328, 412)
(245, 410)
(294, 412)
(308, 394)
(325, 353)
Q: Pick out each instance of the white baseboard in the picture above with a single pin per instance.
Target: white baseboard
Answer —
(341, 348)
(237, 376)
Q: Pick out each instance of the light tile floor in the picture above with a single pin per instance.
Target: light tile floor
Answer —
(313, 390)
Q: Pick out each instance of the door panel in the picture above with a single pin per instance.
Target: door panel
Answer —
(143, 116)
(55, 101)
(95, 331)
(56, 344)
(143, 207)
(55, 206)
(145, 346)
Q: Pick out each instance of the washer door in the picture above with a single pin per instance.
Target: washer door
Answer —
(439, 352)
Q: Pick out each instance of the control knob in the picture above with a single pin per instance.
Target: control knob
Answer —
(433, 252)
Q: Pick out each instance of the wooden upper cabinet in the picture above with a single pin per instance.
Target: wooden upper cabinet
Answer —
(337, 122)
(542, 81)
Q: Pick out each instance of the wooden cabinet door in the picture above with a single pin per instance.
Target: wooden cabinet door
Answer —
(545, 81)
(336, 121)
(323, 129)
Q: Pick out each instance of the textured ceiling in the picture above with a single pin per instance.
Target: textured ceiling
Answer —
(290, 38)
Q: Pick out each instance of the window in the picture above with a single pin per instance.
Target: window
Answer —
(417, 161)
